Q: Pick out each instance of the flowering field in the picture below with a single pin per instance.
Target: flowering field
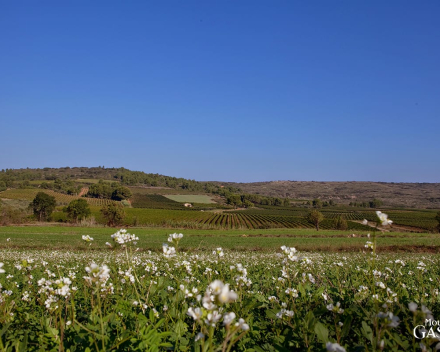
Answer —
(122, 299)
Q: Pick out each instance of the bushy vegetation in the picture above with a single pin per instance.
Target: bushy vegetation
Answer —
(43, 205)
(104, 190)
(77, 210)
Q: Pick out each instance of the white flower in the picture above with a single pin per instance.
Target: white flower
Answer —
(219, 252)
(175, 238)
(216, 287)
(242, 324)
(87, 238)
(97, 274)
(335, 309)
(227, 296)
(196, 313)
(334, 347)
(212, 318)
(122, 237)
(228, 318)
(383, 218)
(369, 245)
(2, 271)
(168, 251)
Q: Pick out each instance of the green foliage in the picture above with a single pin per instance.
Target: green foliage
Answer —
(43, 205)
(113, 213)
(78, 209)
(12, 215)
(437, 218)
(121, 193)
(139, 301)
(105, 190)
(315, 217)
(341, 223)
(2, 186)
(317, 203)
(235, 200)
(375, 203)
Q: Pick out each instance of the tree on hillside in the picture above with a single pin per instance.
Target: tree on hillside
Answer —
(78, 209)
(437, 217)
(341, 223)
(43, 205)
(2, 186)
(317, 203)
(235, 200)
(375, 203)
(114, 213)
(121, 193)
(315, 217)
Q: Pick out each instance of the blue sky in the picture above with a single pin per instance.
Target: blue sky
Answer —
(224, 90)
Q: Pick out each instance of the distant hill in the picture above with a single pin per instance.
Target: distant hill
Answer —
(414, 195)
(75, 176)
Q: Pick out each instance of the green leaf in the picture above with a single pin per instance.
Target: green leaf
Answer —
(180, 328)
(321, 332)
(367, 332)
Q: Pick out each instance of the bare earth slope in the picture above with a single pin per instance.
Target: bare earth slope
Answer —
(417, 195)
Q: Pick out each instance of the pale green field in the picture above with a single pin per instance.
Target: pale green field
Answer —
(190, 198)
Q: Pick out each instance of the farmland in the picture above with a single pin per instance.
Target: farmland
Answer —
(65, 292)
(147, 209)
(190, 198)
(66, 237)
(61, 199)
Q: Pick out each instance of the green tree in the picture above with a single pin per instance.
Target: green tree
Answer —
(315, 217)
(43, 205)
(248, 204)
(78, 209)
(317, 203)
(278, 202)
(437, 217)
(375, 203)
(114, 213)
(121, 193)
(235, 200)
(2, 186)
(341, 223)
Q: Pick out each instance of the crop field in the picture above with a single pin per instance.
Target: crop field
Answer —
(154, 201)
(61, 199)
(161, 190)
(68, 237)
(97, 297)
(191, 198)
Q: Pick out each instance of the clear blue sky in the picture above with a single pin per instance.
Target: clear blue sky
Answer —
(224, 90)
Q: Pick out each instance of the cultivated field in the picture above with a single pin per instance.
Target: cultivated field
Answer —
(118, 298)
(61, 199)
(191, 198)
(64, 237)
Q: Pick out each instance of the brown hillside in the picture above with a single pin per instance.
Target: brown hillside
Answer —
(414, 195)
